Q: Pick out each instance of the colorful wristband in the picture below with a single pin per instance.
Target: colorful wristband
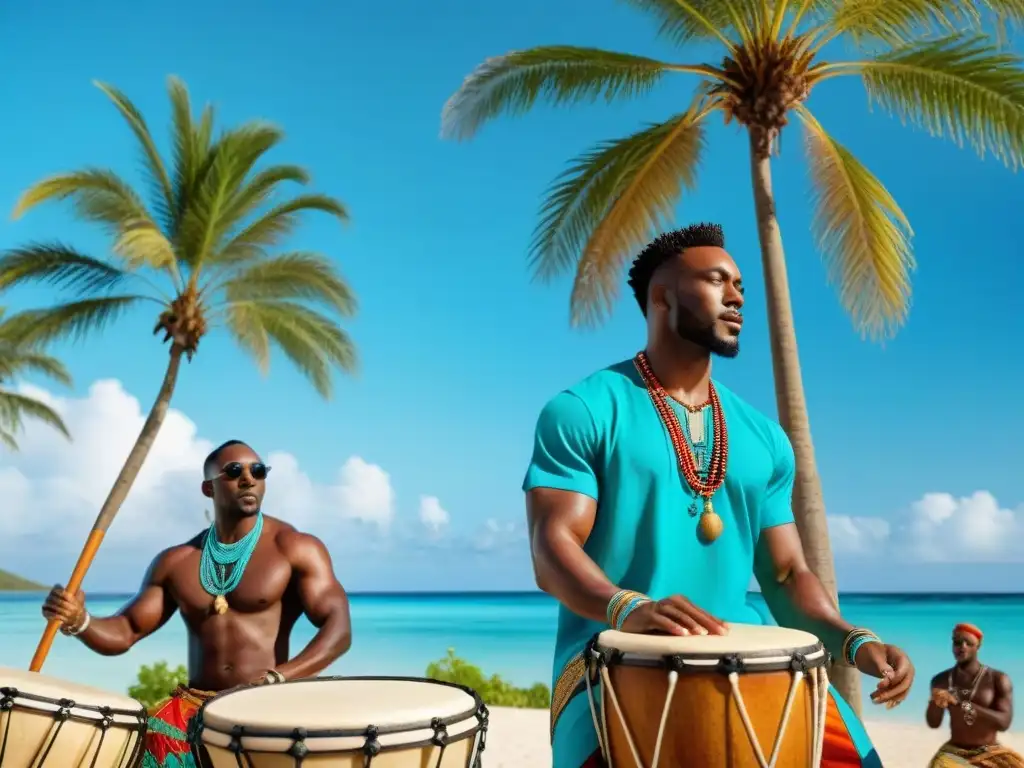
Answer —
(623, 603)
(854, 640)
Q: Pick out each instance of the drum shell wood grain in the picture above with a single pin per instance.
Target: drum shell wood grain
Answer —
(704, 727)
(28, 726)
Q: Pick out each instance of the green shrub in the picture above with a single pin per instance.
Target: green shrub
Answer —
(156, 683)
(494, 691)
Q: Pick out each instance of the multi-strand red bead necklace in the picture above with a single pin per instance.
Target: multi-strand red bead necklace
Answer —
(710, 522)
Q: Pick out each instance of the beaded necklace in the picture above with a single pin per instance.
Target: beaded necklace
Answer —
(216, 558)
(707, 477)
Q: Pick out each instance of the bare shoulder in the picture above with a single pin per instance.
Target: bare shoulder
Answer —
(301, 549)
(168, 560)
(942, 679)
(1001, 680)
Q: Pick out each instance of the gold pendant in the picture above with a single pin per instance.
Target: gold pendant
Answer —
(220, 605)
(711, 524)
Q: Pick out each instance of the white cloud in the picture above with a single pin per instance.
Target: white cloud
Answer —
(857, 535)
(938, 527)
(364, 493)
(52, 489)
(433, 516)
(498, 534)
(967, 529)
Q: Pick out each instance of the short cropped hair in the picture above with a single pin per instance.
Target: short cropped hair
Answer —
(665, 247)
(211, 461)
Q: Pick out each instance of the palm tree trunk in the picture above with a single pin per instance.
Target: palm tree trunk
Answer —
(118, 493)
(808, 500)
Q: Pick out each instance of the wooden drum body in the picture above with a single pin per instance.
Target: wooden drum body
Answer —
(46, 722)
(342, 722)
(754, 698)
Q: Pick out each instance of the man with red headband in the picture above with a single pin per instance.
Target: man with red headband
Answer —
(980, 705)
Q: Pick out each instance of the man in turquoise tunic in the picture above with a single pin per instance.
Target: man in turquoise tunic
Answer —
(654, 493)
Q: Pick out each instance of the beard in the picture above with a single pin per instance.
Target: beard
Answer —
(689, 328)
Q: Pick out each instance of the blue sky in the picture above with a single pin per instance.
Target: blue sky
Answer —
(459, 350)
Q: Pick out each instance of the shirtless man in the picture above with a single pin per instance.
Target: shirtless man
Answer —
(238, 631)
(980, 705)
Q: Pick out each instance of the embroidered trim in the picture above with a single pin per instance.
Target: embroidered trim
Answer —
(567, 686)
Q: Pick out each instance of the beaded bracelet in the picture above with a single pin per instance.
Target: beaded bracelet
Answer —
(854, 640)
(623, 603)
(72, 632)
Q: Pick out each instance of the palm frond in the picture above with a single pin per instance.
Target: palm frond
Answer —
(142, 243)
(98, 195)
(231, 159)
(1007, 13)
(154, 165)
(8, 439)
(15, 408)
(561, 74)
(190, 148)
(16, 359)
(291, 277)
(607, 205)
(898, 21)
(273, 226)
(58, 265)
(959, 87)
(863, 235)
(71, 321)
(682, 21)
(311, 341)
(260, 189)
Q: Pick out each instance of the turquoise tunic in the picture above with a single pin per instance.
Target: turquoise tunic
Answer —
(604, 438)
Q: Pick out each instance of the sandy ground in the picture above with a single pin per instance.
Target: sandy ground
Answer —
(518, 738)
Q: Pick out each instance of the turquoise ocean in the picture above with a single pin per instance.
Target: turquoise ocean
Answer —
(512, 634)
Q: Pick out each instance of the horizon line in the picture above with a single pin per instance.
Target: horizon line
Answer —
(539, 593)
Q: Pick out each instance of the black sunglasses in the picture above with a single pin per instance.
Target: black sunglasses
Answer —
(257, 469)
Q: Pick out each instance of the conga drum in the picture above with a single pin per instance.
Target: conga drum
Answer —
(755, 698)
(46, 722)
(342, 722)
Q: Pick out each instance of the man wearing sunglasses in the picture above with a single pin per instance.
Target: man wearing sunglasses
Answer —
(240, 586)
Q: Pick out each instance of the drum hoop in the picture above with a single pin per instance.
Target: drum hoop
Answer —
(479, 711)
(9, 696)
(800, 657)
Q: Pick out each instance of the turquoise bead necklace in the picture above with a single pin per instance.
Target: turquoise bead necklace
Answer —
(701, 449)
(216, 557)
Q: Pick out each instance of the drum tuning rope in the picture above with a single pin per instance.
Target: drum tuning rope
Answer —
(808, 679)
(673, 678)
(606, 681)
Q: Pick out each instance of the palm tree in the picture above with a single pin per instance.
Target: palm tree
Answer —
(201, 252)
(928, 61)
(16, 359)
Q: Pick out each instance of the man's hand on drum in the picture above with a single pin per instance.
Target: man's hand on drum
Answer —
(67, 609)
(673, 616)
(890, 664)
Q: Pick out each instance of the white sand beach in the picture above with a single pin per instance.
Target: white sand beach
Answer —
(518, 738)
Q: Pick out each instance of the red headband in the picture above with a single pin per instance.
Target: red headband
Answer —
(968, 629)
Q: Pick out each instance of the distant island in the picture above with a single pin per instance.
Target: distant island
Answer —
(11, 583)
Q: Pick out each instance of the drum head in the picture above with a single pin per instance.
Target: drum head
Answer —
(335, 713)
(39, 691)
(743, 639)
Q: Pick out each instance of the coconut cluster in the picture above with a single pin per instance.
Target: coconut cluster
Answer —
(183, 321)
(764, 82)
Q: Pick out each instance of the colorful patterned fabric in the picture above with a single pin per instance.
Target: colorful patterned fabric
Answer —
(994, 756)
(167, 735)
(841, 749)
